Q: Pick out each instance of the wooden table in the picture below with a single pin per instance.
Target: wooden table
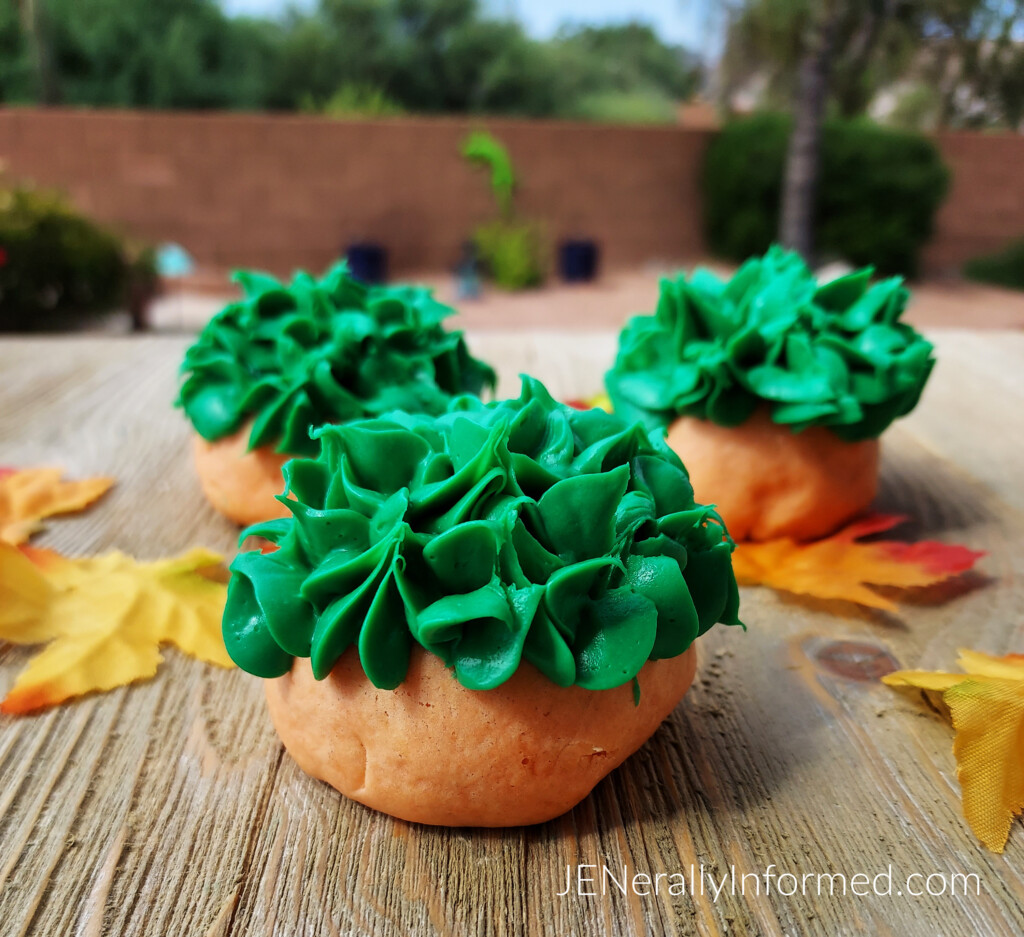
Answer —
(170, 808)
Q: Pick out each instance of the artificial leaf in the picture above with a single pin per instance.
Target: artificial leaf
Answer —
(987, 708)
(840, 567)
(599, 402)
(103, 619)
(29, 495)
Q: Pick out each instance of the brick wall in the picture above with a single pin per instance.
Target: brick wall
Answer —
(985, 205)
(284, 191)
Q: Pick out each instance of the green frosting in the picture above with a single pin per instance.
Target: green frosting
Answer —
(834, 355)
(492, 533)
(313, 352)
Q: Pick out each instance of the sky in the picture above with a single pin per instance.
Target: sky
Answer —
(683, 22)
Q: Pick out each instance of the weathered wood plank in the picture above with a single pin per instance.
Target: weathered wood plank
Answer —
(168, 807)
(104, 821)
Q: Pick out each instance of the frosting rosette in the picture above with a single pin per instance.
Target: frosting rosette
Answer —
(291, 357)
(521, 529)
(834, 354)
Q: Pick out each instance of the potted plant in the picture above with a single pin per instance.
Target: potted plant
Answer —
(510, 247)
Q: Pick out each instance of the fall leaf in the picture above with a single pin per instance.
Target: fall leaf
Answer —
(987, 707)
(103, 619)
(839, 567)
(599, 401)
(28, 496)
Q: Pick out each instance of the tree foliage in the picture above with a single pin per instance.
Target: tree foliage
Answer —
(16, 82)
(412, 55)
(957, 62)
(150, 53)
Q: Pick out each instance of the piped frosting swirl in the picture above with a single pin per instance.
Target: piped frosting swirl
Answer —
(490, 534)
(834, 355)
(322, 351)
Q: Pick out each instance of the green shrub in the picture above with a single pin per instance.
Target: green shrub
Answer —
(742, 184)
(354, 101)
(644, 106)
(54, 260)
(512, 253)
(878, 193)
(1003, 268)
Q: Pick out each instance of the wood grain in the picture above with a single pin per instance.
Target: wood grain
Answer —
(169, 807)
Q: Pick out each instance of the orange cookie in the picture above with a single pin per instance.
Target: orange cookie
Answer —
(432, 751)
(477, 594)
(832, 358)
(239, 483)
(768, 481)
(291, 357)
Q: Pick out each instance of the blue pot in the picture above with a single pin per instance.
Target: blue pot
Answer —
(368, 262)
(578, 261)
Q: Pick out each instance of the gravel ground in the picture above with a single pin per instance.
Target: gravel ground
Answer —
(607, 303)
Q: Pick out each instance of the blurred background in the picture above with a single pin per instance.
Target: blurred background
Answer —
(539, 161)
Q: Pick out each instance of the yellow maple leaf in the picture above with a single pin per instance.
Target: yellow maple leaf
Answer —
(840, 567)
(987, 708)
(28, 496)
(103, 619)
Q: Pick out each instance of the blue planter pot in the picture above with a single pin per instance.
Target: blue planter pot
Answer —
(368, 262)
(578, 261)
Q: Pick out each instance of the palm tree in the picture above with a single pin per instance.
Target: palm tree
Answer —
(799, 186)
(31, 16)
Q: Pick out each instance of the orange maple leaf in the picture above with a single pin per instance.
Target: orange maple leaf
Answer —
(840, 567)
(987, 707)
(103, 619)
(29, 495)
